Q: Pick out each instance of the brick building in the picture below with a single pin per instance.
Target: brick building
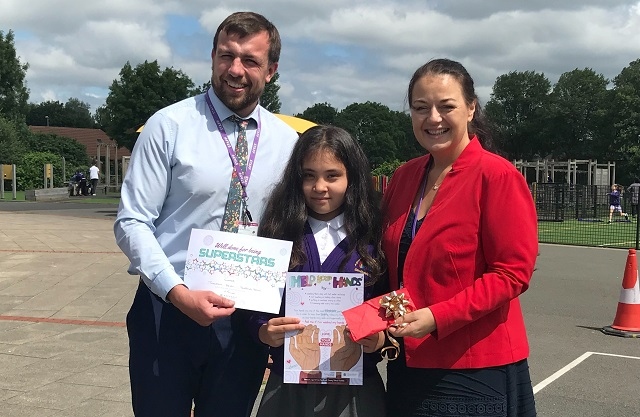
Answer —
(99, 146)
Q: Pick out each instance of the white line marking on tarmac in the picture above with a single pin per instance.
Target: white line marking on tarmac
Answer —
(616, 356)
(556, 375)
(617, 244)
(561, 372)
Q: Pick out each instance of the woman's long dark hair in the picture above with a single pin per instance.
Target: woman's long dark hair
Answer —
(285, 214)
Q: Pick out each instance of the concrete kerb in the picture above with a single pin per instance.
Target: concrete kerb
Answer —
(47, 194)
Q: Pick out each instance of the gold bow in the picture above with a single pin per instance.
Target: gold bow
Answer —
(395, 305)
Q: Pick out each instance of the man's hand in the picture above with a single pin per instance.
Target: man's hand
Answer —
(203, 307)
(272, 332)
(305, 348)
(345, 353)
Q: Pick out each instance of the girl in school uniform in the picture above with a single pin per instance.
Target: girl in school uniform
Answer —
(326, 205)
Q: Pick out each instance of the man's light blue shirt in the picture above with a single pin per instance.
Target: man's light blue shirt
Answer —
(178, 179)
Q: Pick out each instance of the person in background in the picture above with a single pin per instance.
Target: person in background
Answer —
(635, 191)
(74, 183)
(460, 235)
(206, 162)
(326, 204)
(615, 197)
(93, 176)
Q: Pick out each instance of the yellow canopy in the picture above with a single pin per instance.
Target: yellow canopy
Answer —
(298, 124)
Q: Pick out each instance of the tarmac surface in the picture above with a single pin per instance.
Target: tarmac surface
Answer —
(65, 292)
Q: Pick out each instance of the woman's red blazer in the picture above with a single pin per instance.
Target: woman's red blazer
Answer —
(470, 260)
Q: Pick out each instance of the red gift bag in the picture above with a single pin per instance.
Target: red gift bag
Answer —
(371, 317)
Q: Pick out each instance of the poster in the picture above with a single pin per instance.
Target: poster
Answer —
(323, 353)
(249, 270)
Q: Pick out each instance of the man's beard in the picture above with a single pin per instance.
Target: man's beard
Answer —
(234, 103)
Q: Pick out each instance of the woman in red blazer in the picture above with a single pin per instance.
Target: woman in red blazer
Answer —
(461, 237)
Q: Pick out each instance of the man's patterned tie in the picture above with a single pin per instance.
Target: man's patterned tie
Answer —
(232, 214)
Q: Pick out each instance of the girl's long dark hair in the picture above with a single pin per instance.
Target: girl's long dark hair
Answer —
(285, 214)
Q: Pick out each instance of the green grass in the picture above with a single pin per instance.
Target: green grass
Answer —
(8, 196)
(618, 234)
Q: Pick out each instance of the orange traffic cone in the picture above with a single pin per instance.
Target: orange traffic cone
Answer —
(627, 321)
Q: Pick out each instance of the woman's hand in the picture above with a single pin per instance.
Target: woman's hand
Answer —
(272, 332)
(416, 324)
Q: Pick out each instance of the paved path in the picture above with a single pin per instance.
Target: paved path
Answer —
(64, 294)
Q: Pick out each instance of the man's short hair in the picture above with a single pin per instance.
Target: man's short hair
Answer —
(249, 23)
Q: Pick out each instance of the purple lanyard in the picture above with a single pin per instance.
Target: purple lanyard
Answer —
(415, 217)
(243, 177)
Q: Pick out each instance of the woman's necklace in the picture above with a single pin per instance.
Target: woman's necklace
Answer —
(441, 179)
(422, 193)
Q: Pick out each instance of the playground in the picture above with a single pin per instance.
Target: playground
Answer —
(65, 294)
(620, 233)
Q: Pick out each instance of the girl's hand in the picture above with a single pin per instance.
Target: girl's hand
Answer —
(272, 332)
(416, 324)
(372, 343)
(345, 353)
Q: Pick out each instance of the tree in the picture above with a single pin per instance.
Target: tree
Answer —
(48, 112)
(408, 147)
(374, 126)
(13, 91)
(74, 153)
(140, 92)
(11, 146)
(320, 113)
(577, 118)
(625, 148)
(387, 168)
(74, 113)
(386, 136)
(78, 114)
(269, 98)
(516, 109)
(29, 170)
(203, 88)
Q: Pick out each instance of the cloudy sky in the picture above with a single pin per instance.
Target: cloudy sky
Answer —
(339, 52)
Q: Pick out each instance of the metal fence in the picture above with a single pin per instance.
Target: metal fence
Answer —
(380, 183)
(580, 215)
(571, 214)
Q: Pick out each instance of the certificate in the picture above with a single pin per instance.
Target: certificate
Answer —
(249, 270)
(322, 353)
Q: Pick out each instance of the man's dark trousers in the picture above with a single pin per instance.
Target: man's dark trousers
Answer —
(173, 360)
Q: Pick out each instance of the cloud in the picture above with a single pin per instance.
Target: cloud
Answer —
(333, 51)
